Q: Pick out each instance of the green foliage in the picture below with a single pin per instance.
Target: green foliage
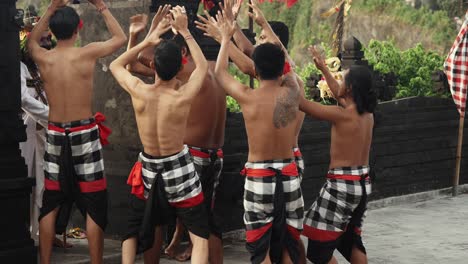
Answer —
(384, 56)
(436, 23)
(413, 67)
(415, 74)
(232, 105)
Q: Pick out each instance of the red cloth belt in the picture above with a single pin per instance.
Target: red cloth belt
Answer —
(104, 131)
(256, 234)
(321, 235)
(325, 235)
(135, 180)
(85, 187)
(346, 177)
(204, 155)
(290, 170)
(297, 153)
(190, 202)
(138, 189)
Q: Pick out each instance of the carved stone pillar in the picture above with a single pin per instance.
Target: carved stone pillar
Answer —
(16, 245)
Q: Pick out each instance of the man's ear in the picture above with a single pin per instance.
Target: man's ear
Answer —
(151, 64)
(184, 52)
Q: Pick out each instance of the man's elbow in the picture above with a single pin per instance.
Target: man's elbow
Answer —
(121, 40)
(113, 66)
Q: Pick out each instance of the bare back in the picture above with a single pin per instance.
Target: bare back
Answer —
(270, 123)
(68, 82)
(161, 115)
(351, 140)
(207, 118)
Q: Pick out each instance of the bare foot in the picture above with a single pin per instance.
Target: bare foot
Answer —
(186, 255)
(170, 251)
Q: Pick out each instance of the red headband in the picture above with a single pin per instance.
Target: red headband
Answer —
(287, 68)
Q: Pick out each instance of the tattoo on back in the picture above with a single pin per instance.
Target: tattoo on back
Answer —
(287, 105)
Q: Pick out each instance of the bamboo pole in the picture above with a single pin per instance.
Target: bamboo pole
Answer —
(456, 177)
(251, 33)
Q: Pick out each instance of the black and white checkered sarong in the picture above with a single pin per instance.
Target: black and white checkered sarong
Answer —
(181, 181)
(274, 209)
(74, 172)
(338, 199)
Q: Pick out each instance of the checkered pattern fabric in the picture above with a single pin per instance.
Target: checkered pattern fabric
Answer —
(338, 199)
(299, 161)
(456, 68)
(259, 196)
(215, 158)
(181, 181)
(85, 147)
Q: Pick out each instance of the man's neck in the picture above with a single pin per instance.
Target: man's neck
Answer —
(173, 83)
(270, 83)
(67, 43)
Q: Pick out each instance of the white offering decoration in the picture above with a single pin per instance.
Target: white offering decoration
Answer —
(334, 65)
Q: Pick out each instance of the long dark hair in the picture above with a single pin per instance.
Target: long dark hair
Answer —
(360, 79)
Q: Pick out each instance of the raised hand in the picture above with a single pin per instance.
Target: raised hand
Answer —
(226, 7)
(138, 23)
(236, 8)
(159, 16)
(179, 19)
(208, 25)
(317, 57)
(257, 14)
(154, 37)
(226, 27)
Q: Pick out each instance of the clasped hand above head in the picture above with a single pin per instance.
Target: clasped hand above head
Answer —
(166, 19)
(220, 28)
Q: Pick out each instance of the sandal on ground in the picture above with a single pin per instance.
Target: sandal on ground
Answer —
(76, 233)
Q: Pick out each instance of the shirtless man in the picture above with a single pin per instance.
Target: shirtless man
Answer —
(74, 169)
(273, 32)
(335, 219)
(164, 180)
(204, 137)
(273, 201)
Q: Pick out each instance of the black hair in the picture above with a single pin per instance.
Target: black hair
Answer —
(180, 41)
(167, 59)
(281, 30)
(360, 79)
(269, 61)
(64, 23)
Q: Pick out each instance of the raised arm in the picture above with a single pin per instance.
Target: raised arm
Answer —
(137, 25)
(232, 87)
(331, 81)
(180, 24)
(145, 57)
(118, 66)
(322, 112)
(242, 61)
(118, 39)
(231, 10)
(34, 47)
(271, 37)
